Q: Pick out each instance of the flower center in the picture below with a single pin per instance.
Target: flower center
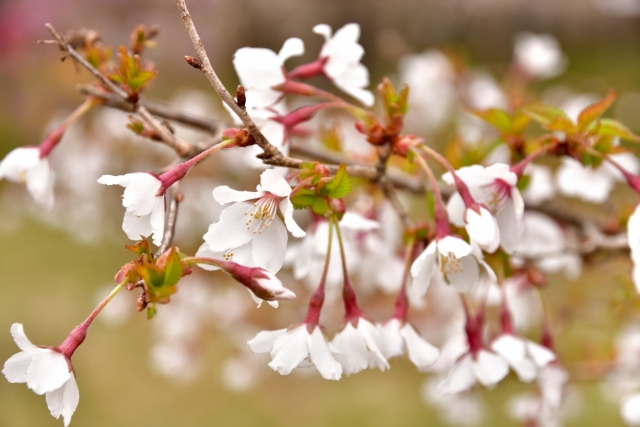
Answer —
(498, 193)
(450, 264)
(262, 214)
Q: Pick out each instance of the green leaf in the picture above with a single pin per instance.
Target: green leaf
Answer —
(543, 113)
(496, 117)
(591, 113)
(339, 186)
(523, 182)
(140, 78)
(151, 311)
(611, 127)
(303, 198)
(172, 268)
(519, 123)
(320, 206)
(141, 247)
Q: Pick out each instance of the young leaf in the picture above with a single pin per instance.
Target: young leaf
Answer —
(611, 127)
(320, 206)
(593, 112)
(173, 268)
(303, 198)
(339, 186)
(496, 117)
(543, 113)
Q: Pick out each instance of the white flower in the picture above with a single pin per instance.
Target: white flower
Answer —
(630, 409)
(252, 234)
(301, 346)
(45, 371)
(540, 187)
(589, 184)
(483, 92)
(26, 166)
(308, 256)
(454, 259)
(633, 236)
(551, 381)
(539, 55)
(431, 77)
(544, 242)
(260, 70)
(144, 200)
(495, 187)
(343, 67)
(524, 356)
(482, 366)
(358, 347)
(399, 337)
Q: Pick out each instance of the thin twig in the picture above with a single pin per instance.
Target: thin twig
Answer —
(183, 149)
(270, 151)
(392, 195)
(174, 197)
(157, 109)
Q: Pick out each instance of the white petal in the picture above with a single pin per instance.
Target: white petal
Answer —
(17, 332)
(48, 371)
(483, 229)
(541, 355)
(263, 342)
(489, 368)
(224, 195)
(371, 336)
(258, 68)
(356, 222)
(135, 226)
(421, 353)
(156, 221)
(463, 276)
(423, 269)
(286, 207)
(17, 162)
(123, 180)
(630, 409)
(64, 400)
(140, 195)
(455, 245)
(392, 342)
(324, 30)
(461, 376)
(240, 255)
(321, 356)
(456, 209)
(17, 366)
(514, 351)
(510, 221)
(231, 230)
(289, 350)
(291, 47)
(274, 183)
(40, 183)
(350, 350)
(268, 248)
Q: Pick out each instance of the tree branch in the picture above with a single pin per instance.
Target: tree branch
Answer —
(175, 197)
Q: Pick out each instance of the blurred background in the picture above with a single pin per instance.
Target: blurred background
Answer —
(190, 366)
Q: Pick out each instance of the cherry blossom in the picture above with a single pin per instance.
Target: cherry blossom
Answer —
(45, 371)
(358, 346)
(633, 236)
(300, 346)
(144, 202)
(341, 54)
(495, 187)
(26, 165)
(454, 259)
(476, 363)
(630, 409)
(540, 187)
(252, 234)
(539, 55)
(399, 337)
(524, 356)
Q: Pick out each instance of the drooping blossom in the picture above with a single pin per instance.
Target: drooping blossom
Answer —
(400, 337)
(476, 364)
(341, 54)
(524, 356)
(454, 259)
(539, 55)
(250, 231)
(540, 187)
(144, 202)
(301, 346)
(25, 165)
(358, 346)
(308, 256)
(494, 187)
(45, 371)
(461, 409)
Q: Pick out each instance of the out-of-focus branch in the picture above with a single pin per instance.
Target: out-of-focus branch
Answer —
(184, 149)
(392, 195)
(111, 100)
